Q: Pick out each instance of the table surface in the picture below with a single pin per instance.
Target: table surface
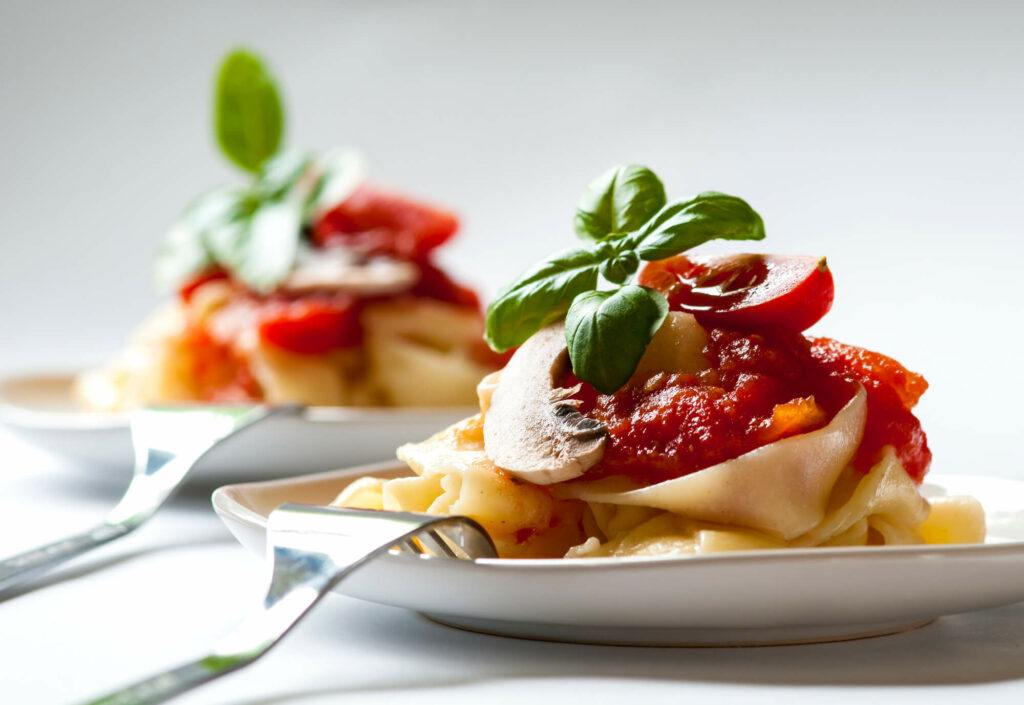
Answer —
(161, 596)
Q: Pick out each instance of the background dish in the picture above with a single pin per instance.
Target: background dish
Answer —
(764, 597)
(41, 410)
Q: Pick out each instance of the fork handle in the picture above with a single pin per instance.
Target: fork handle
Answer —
(24, 566)
(311, 550)
(165, 686)
(300, 585)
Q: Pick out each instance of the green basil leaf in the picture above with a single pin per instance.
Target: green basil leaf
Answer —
(259, 245)
(181, 255)
(283, 173)
(607, 333)
(269, 245)
(682, 225)
(620, 200)
(341, 171)
(540, 296)
(186, 251)
(249, 116)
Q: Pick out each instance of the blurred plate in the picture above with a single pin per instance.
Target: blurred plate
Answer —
(41, 410)
(750, 597)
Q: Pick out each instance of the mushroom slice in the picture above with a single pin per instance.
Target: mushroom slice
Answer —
(338, 269)
(533, 429)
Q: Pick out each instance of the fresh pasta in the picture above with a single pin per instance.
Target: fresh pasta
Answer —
(405, 342)
(804, 489)
(452, 475)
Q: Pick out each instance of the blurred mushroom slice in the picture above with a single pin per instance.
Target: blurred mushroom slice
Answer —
(533, 429)
(339, 269)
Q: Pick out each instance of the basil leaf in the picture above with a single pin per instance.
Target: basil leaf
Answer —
(684, 224)
(186, 250)
(181, 255)
(539, 297)
(607, 333)
(281, 174)
(249, 116)
(260, 243)
(620, 200)
(342, 170)
(269, 245)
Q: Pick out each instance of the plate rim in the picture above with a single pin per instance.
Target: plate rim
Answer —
(16, 414)
(228, 508)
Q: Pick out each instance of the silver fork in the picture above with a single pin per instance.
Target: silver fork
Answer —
(168, 441)
(311, 550)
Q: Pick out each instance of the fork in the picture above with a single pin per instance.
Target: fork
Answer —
(168, 441)
(311, 549)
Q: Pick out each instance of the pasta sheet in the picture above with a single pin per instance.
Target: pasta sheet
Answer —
(407, 342)
(453, 475)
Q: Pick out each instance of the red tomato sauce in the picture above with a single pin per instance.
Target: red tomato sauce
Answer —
(893, 391)
(370, 222)
(762, 387)
(375, 222)
(216, 372)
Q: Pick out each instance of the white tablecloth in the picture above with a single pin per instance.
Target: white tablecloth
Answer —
(163, 595)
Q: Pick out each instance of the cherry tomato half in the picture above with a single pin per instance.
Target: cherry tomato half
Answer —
(746, 291)
(379, 223)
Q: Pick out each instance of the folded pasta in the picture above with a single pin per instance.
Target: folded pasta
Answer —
(678, 408)
(802, 490)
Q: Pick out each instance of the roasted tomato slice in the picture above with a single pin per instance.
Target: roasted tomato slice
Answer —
(312, 326)
(745, 292)
(375, 222)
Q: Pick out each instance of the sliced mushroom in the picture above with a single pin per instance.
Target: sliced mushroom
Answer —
(533, 429)
(338, 269)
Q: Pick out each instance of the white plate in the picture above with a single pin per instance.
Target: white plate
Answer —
(41, 409)
(751, 597)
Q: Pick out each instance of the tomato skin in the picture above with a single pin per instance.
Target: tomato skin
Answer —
(312, 325)
(745, 292)
(375, 222)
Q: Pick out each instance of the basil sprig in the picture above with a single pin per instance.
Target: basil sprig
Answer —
(254, 231)
(624, 218)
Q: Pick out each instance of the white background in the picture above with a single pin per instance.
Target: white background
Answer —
(886, 135)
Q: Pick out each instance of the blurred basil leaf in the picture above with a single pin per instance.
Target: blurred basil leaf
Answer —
(341, 172)
(249, 117)
(186, 250)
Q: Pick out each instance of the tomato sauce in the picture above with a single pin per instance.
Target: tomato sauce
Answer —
(761, 387)
(216, 372)
(893, 391)
(370, 222)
